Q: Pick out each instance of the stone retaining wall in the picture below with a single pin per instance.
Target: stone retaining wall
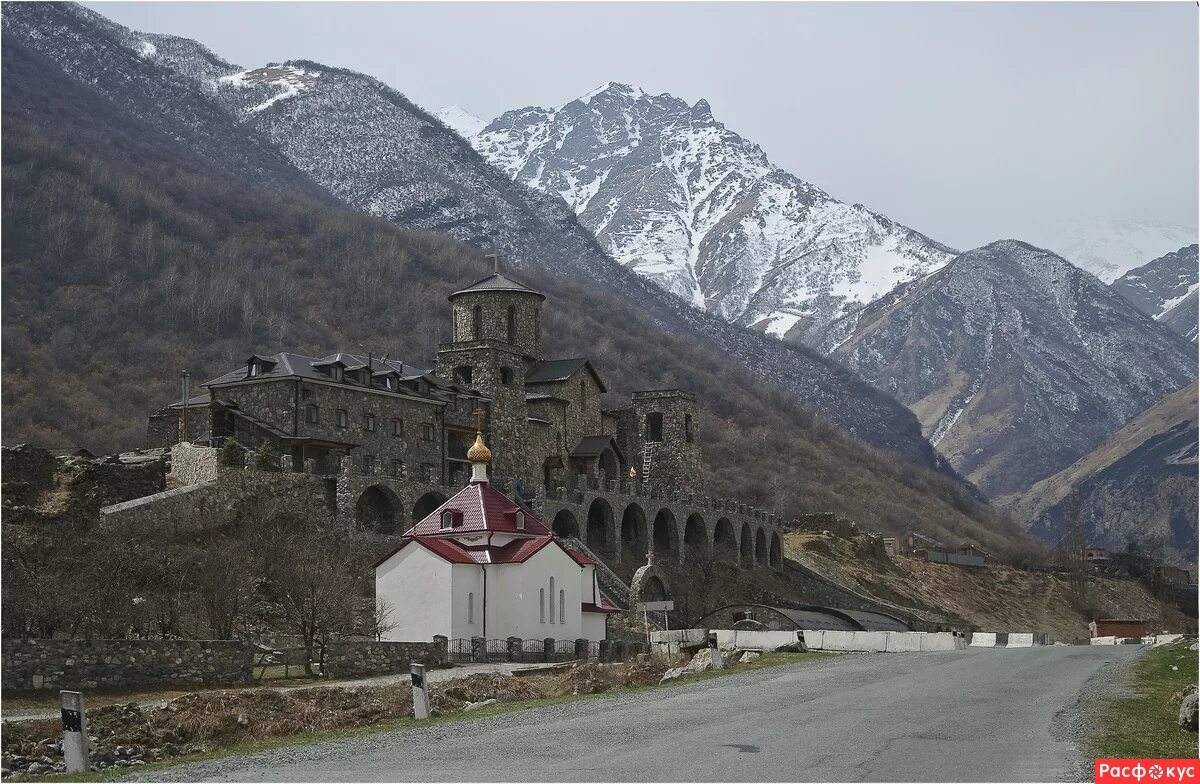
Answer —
(358, 658)
(192, 464)
(117, 664)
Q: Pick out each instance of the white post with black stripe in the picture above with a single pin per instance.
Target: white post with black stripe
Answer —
(420, 691)
(76, 746)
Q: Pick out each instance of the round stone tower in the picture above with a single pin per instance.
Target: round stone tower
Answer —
(501, 309)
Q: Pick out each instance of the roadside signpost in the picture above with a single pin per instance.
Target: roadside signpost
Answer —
(420, 691)
(648, 607)
(75, 736)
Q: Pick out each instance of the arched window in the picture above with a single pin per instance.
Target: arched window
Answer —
(551, 600)
(542, 603)
(477, 323)
(562, 606)
(447, 519)
(512, 324)
(471, 608)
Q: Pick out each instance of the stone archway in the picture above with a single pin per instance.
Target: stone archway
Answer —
(665, 540)
(776, 552)
(725, 546)
(426, 504)
(600, 527)
(565, 524)
(378, 509)
(746, 546)
(634, 544)
(760, 547)
(695, 539)
(649, 584)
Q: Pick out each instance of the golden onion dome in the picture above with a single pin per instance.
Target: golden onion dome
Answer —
(479, 453)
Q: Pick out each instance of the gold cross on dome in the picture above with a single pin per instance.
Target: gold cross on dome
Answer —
(479, 414)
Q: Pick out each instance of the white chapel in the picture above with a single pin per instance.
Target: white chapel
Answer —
(480, 566)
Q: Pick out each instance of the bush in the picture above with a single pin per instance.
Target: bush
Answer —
(232, 453)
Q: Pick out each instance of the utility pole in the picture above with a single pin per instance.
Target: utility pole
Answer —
(183, 418)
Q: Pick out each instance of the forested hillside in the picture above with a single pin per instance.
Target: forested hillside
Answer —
(128, 258)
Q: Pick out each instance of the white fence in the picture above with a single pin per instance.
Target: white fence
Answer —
(881, 642)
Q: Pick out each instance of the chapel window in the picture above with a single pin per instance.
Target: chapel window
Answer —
(477, 323)
(512, 324)
(542, 603)
(562, 606)
(551, 600)
(470, 608)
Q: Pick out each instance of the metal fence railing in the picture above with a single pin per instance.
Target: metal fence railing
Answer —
(459, 650)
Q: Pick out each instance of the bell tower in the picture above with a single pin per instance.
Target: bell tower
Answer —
(497, 324)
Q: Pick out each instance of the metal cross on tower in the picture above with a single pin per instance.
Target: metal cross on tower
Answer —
(495, 257)
(479, 414)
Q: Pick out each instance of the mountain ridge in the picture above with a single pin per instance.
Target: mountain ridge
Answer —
(1015, 361)
(674, 194)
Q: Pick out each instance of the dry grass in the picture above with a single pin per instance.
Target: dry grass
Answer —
(997, 597)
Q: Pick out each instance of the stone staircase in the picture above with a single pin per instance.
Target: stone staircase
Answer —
(612, 587)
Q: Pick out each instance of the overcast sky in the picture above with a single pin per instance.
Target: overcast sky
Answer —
(968, 122)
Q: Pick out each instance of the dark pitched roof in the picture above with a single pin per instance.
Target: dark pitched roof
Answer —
(593, 446)
(497, 282)
(287, 365)
(550, 371)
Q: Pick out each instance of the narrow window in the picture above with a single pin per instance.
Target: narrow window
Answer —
(427, 432)
(551, 600)
(312, 414)
(397, 427)
(447, 519)
(654, 426)
(253, 369)
(369, 423)
(506, 376)
(687, 428)
(343, 418)
(336, 372)
(471, 608)
(520, 520)
(542, 603)
(583, 392)
(512, 324)
(477, 323)
(562, 606)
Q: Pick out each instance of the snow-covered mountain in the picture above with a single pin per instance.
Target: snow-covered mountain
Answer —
(682, 200)
(342, 135)
(1016, 362)
(460, 121)
(1109, 249)
(1165, 289)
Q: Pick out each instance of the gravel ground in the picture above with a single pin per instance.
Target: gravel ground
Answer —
(1073, 723)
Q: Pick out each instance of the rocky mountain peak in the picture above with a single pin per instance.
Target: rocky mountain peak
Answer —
(689, 204)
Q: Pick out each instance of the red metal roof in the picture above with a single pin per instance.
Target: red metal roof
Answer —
(579, 557)
(516, 551)
(483, 508)
(603, 607)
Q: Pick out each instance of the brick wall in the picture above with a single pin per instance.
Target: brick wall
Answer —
(115, 664)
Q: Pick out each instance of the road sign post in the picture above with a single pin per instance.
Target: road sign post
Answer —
(420, 691)
(75, 736)
(648, 607)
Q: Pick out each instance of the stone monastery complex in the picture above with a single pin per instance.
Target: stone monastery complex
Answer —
(387, 444)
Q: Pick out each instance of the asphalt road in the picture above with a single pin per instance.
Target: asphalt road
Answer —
(974, 715)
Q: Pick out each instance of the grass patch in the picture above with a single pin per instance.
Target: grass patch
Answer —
(251, 746)
(1146, 725)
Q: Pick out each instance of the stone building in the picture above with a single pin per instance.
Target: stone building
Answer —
(543, 415)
